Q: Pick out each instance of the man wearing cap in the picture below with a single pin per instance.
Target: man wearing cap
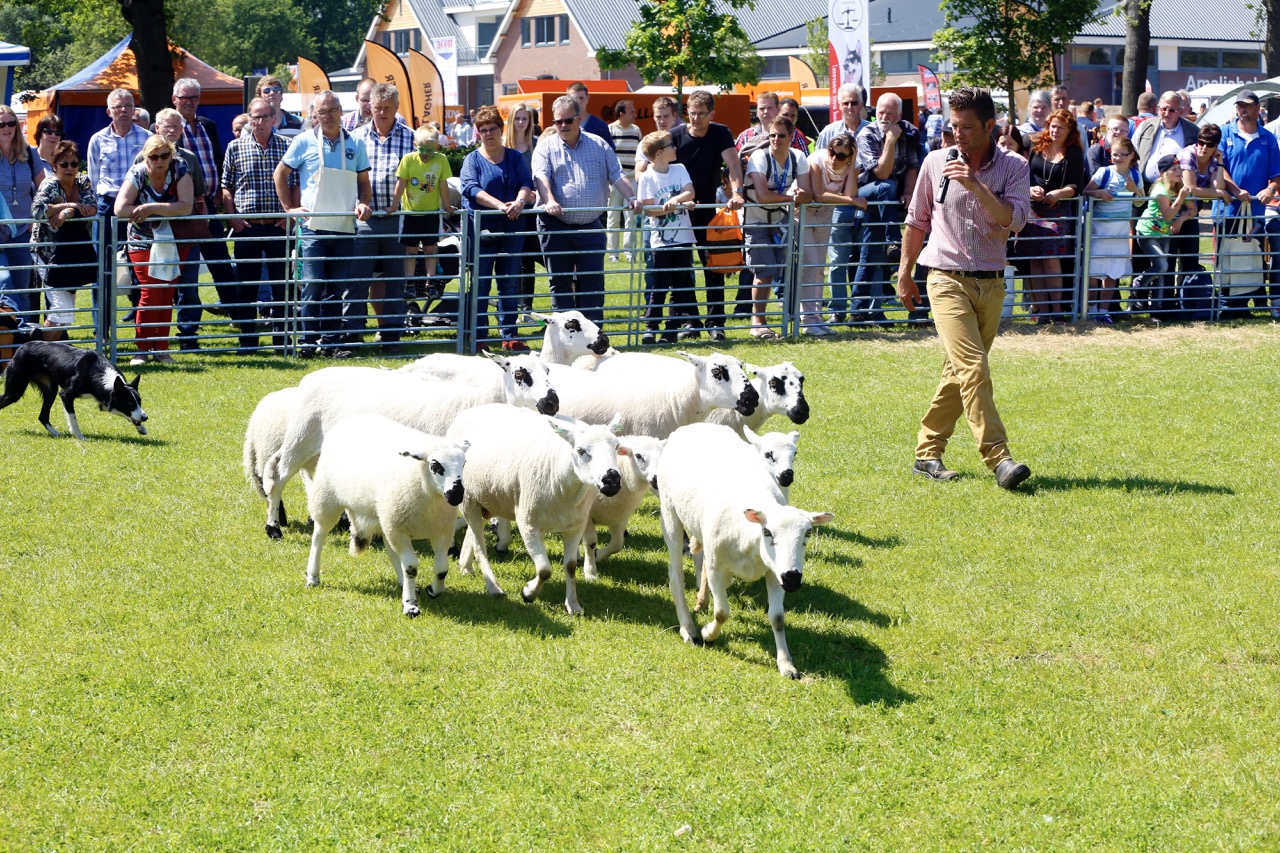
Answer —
(1252, 157)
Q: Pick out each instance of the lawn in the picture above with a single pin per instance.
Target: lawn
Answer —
(1090, 664)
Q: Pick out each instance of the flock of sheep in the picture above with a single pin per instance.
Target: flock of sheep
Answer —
(559, 441)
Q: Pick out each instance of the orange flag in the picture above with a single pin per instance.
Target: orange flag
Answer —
(385, 67)
(428, 87)
(311, 81)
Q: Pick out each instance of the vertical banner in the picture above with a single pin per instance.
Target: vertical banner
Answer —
(311, 81)
(446, 51)
(848, 48)
(929, 85)
(428, 88)
(385, 67)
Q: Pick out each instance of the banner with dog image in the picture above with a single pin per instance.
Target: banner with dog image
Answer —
(848, 48)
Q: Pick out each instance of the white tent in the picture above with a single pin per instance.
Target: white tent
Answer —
(1223, 110)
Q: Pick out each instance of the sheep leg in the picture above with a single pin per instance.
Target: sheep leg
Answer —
(719, 583)
(535, 544)
(475, 532)
(589, 547)
(405, 561)
(673, 533)
(704, 582)
(502, 535)
(319, 532)
(778, 622)
(440, 550)
(571, 541)
(617, 537)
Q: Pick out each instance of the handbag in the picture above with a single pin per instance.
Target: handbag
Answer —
(163, 258)
(336, 192)
(1238, 269)
(724, 242)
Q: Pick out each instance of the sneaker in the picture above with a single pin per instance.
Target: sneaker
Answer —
(137, 361)
(689, 332)
(836, 319)
(648, 339)
(1011, 474)
(815, 330)
(162, 356)
(1103, 318)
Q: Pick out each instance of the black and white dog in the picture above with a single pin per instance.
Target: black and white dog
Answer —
(71, 372)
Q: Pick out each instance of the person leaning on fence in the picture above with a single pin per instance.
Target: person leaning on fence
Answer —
(1165, 213)
(422, 190)
(154, 191)
(574, 171)
(21, 171)
(378, 239)
(777, 178)
(1206, 181)
(497, 178)
(986, 198)
(1112, 188)
(249, 194)
(666, 192)
(833, 177)
(333, 171)
(1251, 154)
(1057, 174)
(62, 237)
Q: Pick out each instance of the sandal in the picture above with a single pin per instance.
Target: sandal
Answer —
(763, 333)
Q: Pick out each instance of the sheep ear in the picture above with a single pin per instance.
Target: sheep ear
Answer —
(623, 450)
(464, 446)
(754, 516)
(421, 457)
(695, 360)
(751, 367)
(794, 435)
(821, 518)
(561, 430)
(544, 319)
(490, 355)
(750, 435)
(615, 425)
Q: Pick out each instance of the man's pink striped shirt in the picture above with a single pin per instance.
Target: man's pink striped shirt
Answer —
(962, 235)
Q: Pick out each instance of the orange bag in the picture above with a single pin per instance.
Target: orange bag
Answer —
(724, 242)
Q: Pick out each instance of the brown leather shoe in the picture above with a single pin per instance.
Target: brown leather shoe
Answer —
(934, 470)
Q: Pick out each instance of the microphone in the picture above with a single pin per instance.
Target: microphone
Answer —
(952, 155)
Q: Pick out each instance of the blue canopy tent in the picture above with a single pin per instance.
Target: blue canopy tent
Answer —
(11, 56)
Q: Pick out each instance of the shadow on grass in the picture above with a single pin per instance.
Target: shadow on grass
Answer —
(859, 539)
(1040, 483)
(92, 434)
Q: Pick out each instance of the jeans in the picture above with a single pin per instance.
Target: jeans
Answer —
(672, 277)
(569, 248)
(326, 267)
(1150, 291)
(13, 257)
(844, 221)
(252, 247)
(871, 279)
(499, 269)
(378, 239)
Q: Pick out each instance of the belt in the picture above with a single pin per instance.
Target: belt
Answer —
(973, 273)
(272, 221)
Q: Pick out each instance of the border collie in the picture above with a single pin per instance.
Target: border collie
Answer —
(71, 372)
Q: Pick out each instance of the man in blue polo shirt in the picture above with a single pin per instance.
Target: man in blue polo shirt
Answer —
(333, 172)
(1252, 157)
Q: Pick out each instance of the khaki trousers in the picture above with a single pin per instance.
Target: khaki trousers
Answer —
(966, 313)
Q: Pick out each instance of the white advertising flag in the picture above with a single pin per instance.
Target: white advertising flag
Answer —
(848, 47)
(446, 51)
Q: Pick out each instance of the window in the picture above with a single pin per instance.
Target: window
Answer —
(775, 68)
(1213, 59)
(905, 61)
(510, 88)
(564, 29)
(485, 31)
(544, 30)
(539, 31)
(526, 28)
(1242, 60)
(402, 40)
(1092, 56)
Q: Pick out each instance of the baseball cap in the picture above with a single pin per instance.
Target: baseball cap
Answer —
(1246, 96)
(1166, 163)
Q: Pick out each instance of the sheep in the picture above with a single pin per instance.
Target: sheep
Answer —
(265, 434)
(568, 335)
(716, 488)
(658, 395)
(778, 450)
(326, 396)
(392, 480)
(781, 389)
(543, 472)
(638, 469)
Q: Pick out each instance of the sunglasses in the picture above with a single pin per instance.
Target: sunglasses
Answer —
(272, 90)
(50, 131)
(69, 164)
(563, 122)
(664, 147)
(840, 155)
(165, 155)
(777, 136)
(488, 128)
(13, 123)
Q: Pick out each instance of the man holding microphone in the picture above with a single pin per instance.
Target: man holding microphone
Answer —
(970, 197)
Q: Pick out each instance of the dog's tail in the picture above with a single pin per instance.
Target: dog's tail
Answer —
(15, 382)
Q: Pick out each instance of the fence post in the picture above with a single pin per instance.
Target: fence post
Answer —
(107, 304)
(1084, 228)
(469, 283)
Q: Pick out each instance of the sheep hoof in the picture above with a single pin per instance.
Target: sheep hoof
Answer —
(273, 532)
(311, 583)
(431, 593)
(502, 553)
(792, 673)
(412, 611)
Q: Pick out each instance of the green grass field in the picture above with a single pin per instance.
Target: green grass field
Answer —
(1090, 664)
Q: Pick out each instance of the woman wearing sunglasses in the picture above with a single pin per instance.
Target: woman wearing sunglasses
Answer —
(21, 171)
(64, 207)
(157, 187)
(48, 135)
(833, 175)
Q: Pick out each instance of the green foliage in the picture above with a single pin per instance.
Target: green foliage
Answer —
(337, 28)
(35, 24)
(999, 43)
(687, 40)
(818, 45)
(1089, 665)
(249, 33)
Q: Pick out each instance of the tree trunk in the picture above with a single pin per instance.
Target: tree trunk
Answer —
(1137, 53)
(150, 46)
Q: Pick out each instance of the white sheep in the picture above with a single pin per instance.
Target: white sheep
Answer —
(568, 335)
(544, 473)
(639, 469)
(781, 389)
(778, 450)
(392, 480)
(715, 488)
(328, 395)
(657, 395)
(264, 435)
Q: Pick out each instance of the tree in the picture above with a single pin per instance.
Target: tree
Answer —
(151, 52)
(237, 36)
(818, 44)
(1004, 42)
(679, 40)
(337, 28)
(1137, 52)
